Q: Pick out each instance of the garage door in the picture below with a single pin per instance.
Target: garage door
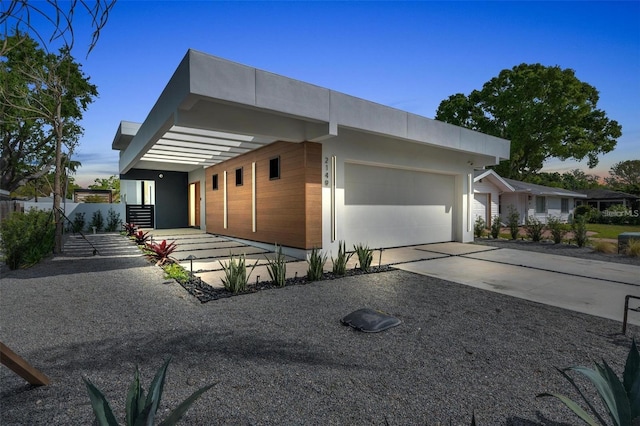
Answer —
(388, 207)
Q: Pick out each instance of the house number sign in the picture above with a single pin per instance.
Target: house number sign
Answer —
(327, 172)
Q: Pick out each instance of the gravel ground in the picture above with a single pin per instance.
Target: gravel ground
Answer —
(281, 356)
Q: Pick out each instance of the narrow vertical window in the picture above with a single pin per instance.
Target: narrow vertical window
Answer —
(564, 205)
(274, 168)
(541, 204)
(239, 177)
(214, 182)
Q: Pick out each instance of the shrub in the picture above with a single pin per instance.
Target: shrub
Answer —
(513, 219)
(478, 227)
(316, 262)
(365, 256)
(97, 220)
(160, 252)
(176, 272)
(534, 228)
(495, 227)
(633, 248)
(558, 229)
(583, 210)
(604, 247)
(26, 238)
(579, 228)
(620, 397)
(277, 268)
(113, 219)
(129, 228)
(141, 237)
(78, 223)
(235, 274)
(140, 410)
(617, 215)
(340, 263)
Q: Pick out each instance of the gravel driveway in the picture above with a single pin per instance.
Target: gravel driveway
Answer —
(282, 357)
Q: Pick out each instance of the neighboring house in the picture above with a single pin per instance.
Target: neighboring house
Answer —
(256, 156)
(529, 200)
(487, 187)
(602, 199)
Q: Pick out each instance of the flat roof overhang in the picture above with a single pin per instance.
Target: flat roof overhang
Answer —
(213, 109)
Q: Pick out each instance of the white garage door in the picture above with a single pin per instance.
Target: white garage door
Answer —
(388, 207)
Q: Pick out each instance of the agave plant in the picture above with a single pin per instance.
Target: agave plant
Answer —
(620, 398)
(340, 262)
(141, 237)
(278, 267)
(365, 256)
(235, 274)
(140, 410)
(316, 263)
(161, 252)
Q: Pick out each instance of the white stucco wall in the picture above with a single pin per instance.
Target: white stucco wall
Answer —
(418, 164)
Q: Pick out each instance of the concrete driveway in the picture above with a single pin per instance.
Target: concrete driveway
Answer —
(588, 286)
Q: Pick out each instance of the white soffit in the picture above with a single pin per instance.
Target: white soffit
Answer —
(199, 147)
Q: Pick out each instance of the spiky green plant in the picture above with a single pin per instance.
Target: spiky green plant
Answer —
(495, 227)
(277, 267)
(140, 410)
(340, 262)
(316, 262)
(620, 398)
(365, 256)
(235, 274)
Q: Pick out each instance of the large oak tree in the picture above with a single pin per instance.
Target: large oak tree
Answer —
(546, 112)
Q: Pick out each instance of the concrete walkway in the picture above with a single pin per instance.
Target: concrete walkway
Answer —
(592, 287)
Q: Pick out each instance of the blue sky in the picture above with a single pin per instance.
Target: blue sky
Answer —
(408, 55)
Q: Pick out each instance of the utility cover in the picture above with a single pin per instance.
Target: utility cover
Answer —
(370, 321)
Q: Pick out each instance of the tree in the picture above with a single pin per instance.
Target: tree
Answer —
(625, 176)
(46, 95)
(112, 183)
(546, 112)
(43, 186)
(28, 17)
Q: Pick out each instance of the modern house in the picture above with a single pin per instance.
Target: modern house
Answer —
(602, 199)
(256, 156)
(495, 195)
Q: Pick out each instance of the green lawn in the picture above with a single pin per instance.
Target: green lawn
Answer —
(611, 231)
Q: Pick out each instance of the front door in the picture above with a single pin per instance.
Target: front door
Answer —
(194, 204)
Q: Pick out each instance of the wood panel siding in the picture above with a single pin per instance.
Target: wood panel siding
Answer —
(288, 209)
